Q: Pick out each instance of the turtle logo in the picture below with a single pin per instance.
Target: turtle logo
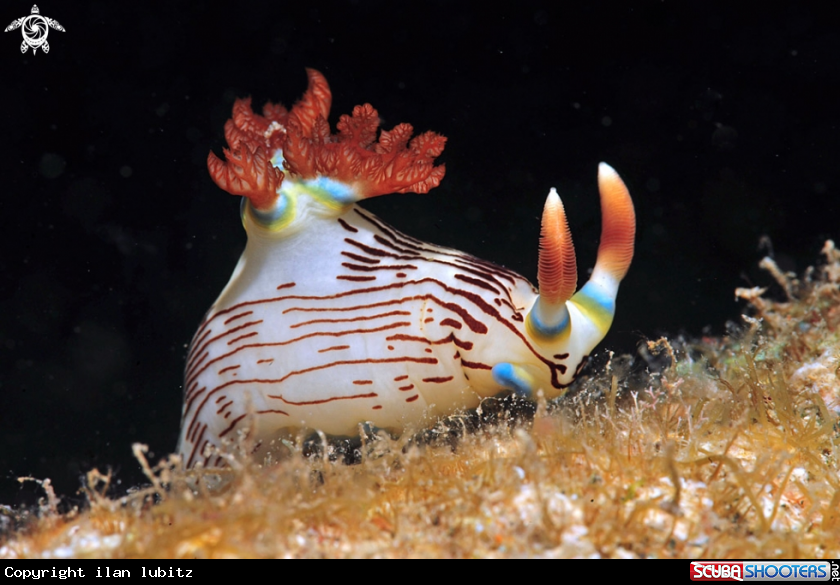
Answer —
(35, 28)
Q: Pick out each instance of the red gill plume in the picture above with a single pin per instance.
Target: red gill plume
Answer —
(395, 163)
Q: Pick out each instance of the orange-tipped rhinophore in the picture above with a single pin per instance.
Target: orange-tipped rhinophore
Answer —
(557, 272)
(618, 224)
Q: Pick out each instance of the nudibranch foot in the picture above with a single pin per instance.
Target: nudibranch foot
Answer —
(333, 318)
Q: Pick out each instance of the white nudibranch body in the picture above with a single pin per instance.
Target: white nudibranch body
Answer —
(332, 318)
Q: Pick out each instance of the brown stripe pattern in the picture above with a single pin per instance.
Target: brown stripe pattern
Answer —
(369, 322)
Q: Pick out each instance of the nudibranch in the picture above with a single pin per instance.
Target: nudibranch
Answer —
(332, 318)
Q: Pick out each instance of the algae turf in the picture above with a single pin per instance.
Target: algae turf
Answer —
(714, 448)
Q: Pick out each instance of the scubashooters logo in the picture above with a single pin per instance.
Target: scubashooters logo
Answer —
(764, 571)
(35, 29)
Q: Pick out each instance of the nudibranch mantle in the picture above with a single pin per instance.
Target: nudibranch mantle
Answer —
(332, 318)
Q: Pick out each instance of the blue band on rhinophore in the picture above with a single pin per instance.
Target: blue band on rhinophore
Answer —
(598, 296)
(543, 328)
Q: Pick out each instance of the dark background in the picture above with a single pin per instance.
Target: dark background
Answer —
(722, 121)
